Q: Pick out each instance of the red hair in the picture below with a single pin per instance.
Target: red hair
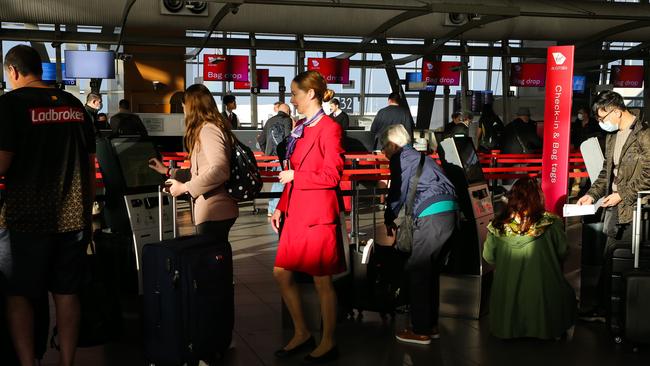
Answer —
(524, 199)
(314, 80)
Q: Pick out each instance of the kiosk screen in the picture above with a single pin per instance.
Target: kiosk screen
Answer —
(133, 155)
(469, 159)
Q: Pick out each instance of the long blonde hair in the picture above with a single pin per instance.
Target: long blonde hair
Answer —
(200, 109)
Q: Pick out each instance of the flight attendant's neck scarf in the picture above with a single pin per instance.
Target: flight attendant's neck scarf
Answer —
(297, 132)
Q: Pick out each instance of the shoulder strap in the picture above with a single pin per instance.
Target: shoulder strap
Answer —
(275, 126)
(413, 187)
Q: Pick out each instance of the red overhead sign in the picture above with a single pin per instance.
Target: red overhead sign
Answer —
(262, 80)
(334, 70)
(445, 73)
(557, 126)
(225, 68)
(627, 76)
(528, 75)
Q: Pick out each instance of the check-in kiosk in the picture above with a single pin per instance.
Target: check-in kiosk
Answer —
(132, 191)
(464, 284)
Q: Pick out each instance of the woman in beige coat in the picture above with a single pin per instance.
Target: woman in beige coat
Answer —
(208, 139)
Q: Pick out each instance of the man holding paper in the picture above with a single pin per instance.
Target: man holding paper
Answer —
(625, 172)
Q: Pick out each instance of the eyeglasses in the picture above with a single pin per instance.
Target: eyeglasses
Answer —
(601, 119)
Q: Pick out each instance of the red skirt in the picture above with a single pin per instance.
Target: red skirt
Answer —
(316, 250)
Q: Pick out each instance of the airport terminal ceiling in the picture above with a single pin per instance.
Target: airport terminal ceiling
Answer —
(488, 20)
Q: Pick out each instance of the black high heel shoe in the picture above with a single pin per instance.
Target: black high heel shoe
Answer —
(304, 346)
(328, 356)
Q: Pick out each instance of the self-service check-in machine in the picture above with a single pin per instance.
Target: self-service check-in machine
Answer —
(465, 279)
(132, 192)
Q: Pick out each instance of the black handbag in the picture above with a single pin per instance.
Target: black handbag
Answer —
(245, 181)
(404, 236)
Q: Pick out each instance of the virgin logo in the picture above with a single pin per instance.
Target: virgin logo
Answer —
(315, 63)
(559, 58)
(216, 59)
(51, 115)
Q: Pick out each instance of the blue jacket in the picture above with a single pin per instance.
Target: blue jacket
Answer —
(433, 185)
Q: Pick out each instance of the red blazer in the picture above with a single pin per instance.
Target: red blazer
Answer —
(312, 197)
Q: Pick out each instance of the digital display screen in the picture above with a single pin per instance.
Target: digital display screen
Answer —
(90, 64)
(579, 82)
(49, 74)
(414, 82)
(478, 99)
(133, 155)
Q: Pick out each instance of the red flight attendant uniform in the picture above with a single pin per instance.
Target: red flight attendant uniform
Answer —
(311, 240)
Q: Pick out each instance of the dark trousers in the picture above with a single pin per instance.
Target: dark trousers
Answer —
(618, 236)
(217, 229)
(430, 244)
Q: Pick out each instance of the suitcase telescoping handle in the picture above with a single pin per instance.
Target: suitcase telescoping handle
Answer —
(161, 193)
(636, 227)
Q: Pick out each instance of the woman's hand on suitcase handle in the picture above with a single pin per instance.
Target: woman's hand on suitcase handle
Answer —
(275, 220)
(175, 187)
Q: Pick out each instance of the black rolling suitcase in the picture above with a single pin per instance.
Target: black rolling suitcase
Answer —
(378, 285)
(188, 299)
(631, 299)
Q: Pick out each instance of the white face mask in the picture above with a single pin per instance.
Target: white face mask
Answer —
(581, 116)
(608, 126)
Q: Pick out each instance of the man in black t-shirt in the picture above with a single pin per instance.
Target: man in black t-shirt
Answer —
(393, 114)
(47, 155)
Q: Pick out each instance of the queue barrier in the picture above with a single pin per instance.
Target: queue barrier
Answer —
(374, 167)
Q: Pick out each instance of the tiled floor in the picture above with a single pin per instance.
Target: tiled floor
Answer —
(258, 325)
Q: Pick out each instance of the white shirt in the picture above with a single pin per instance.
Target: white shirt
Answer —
(336, 114)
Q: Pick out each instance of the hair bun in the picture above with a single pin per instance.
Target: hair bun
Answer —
(329, 94)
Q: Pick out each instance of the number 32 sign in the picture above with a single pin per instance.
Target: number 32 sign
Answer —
(347, 104)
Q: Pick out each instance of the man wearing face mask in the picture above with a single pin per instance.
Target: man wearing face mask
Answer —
(625, 172)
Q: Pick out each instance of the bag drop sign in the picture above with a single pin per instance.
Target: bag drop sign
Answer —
(445, 73)
(528, 75)
(225, 68)
(334, 70)
(627, 76)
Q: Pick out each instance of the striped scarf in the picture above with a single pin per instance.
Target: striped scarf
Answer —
(298, 131)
